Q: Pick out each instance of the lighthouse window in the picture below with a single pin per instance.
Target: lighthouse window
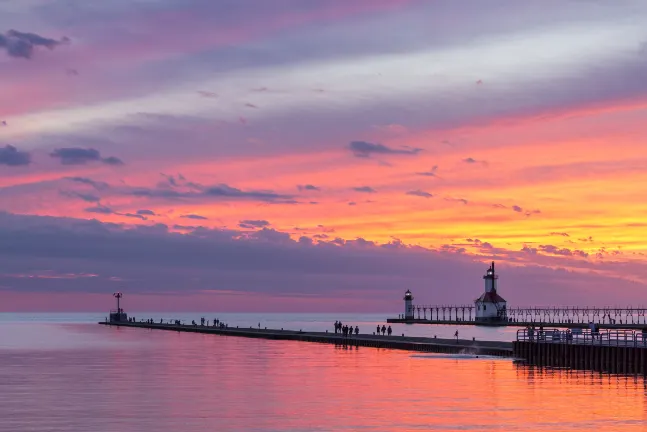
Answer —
(484, 307)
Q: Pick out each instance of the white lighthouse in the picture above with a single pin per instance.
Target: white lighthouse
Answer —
(490, 306)
(408, 305)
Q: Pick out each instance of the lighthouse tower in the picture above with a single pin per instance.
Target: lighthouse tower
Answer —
(408, 305)
(491, 307)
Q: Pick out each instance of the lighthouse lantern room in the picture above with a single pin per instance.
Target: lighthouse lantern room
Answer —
(490, 306)
(408, 305)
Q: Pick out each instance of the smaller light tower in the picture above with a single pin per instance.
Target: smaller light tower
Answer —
(408, 305)
(118, 296)
(118, 315)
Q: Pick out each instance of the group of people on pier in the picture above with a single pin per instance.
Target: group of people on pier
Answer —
(205, 323)
(346, 330)
(384, 330)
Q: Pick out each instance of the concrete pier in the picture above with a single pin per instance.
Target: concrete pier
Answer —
(417, 344)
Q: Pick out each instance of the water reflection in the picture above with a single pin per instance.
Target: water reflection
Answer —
(134, 380)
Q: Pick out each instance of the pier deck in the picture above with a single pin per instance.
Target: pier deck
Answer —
(417, 344)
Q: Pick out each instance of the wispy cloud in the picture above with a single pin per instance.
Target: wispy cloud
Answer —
(431, 173)
(365, 149)
(364, 189)
(419, 193)
(308, 187)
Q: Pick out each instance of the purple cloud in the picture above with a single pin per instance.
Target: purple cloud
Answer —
(248, 223)
(22, 45)
(11, 156)
(364, 189)
(81, 156)
(365, 149)
(419, 193)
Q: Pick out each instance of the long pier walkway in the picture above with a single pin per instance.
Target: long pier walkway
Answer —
(417, 344)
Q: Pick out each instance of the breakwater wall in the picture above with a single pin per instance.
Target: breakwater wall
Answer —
(416, 344)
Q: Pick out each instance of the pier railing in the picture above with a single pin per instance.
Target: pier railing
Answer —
(555, 315)
(626, 338)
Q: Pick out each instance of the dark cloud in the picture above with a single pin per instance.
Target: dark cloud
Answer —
(555, 250)
(430, 173)
(111, 160)
(364, 189)
(98, 185)
(518, 209)
(308, 187)
(133, 215)
(420, 193)
(100, 209)
(562, 234)
(460, 200)
(352, 203)
(80, 156)
(226, 191)
(146, 212)
(11, 156)
(82, 196)
(22, 45)
(366, 149)
(194, 216)
(248, 223)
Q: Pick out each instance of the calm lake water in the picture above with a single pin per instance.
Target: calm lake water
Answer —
(65, 373)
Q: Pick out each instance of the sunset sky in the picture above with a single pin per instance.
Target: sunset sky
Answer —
(321, 155)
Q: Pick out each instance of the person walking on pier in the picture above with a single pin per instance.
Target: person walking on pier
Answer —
(389, 331)
(356, 330)
(378, 329)
(383, 329)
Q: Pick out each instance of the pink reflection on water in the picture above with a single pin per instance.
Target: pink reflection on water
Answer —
(134, 379)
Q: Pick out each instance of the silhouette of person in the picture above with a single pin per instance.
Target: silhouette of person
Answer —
(356, 330)
(389, 331)
(383, 329)
(378, 329)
